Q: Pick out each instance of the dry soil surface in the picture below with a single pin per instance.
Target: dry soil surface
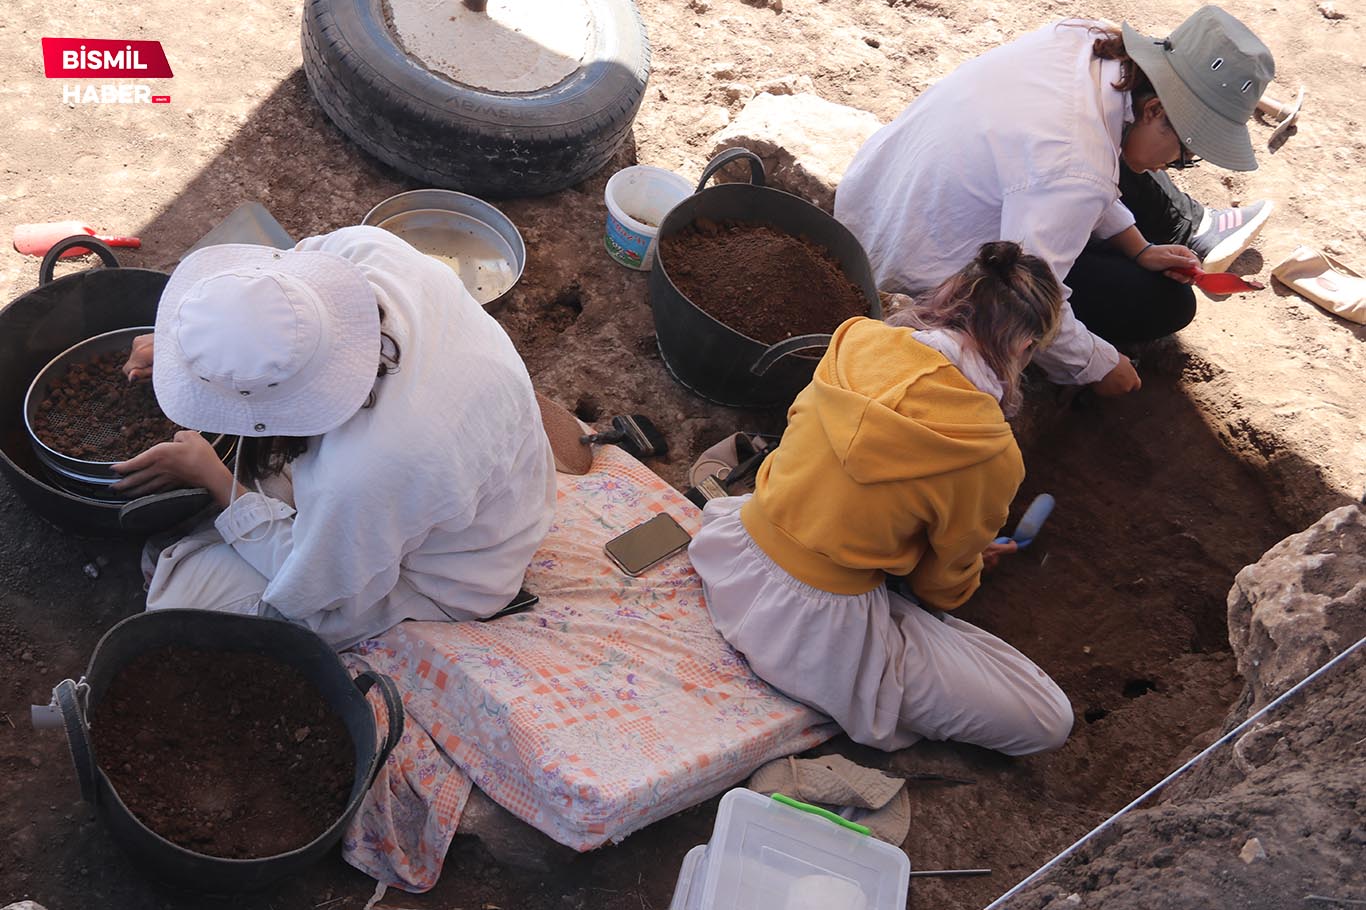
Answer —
(1249, 426)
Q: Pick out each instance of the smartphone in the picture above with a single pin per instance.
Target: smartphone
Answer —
(647, 544)
(523, 601)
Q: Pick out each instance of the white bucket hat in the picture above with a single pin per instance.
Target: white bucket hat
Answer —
(254, 341)
(1209, 74)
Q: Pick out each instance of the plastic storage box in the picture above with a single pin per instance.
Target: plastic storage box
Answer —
(764, 854)
(694, 864)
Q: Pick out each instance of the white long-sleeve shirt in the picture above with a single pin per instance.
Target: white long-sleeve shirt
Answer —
(428, 505)
(1020, 144)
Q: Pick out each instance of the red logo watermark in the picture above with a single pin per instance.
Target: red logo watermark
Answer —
(101, 58)
(104, 58)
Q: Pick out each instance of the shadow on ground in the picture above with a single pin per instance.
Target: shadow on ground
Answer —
(1122, 598)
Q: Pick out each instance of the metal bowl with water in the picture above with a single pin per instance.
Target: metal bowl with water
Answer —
(476, 240)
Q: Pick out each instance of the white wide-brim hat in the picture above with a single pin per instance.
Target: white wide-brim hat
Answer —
(255, 341)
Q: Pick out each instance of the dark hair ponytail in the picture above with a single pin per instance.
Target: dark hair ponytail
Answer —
(999, 258)
(1110, 46)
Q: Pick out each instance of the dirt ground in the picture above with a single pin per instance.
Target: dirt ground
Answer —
(1248, 427)
(1189, 848)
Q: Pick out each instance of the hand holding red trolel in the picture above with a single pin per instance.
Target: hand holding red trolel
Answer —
(1171, 259)
(1220, 282)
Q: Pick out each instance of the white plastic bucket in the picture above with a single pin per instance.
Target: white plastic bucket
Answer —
(637, 200)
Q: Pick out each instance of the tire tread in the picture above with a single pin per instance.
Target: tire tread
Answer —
(416, 136)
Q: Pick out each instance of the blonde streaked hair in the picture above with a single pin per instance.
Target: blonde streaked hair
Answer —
(1001, 300)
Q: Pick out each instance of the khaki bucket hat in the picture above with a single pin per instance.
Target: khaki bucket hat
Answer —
(1209, 74)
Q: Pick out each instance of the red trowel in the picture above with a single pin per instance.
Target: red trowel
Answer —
(1220, 282)
(37, 239)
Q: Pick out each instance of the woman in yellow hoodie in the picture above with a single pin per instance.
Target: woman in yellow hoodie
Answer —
(897, 460)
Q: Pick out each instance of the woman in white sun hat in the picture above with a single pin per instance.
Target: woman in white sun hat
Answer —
(1059, 140)
(392, 463)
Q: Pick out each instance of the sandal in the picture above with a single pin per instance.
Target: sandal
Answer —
(1323, 280)
(870, 798)
(1282, 115)
(723, 458)
(718, 460)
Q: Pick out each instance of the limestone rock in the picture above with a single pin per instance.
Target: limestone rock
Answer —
(722, 70)
(1301, 604)
(23, 905)
(786, 84)
(509, 840)
(738, 91)
(709, 119)
(806, 142)
(1252, 851)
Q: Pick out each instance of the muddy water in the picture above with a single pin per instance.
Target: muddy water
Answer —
(483, 260)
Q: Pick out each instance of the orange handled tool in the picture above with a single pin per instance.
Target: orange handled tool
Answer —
(37, 239)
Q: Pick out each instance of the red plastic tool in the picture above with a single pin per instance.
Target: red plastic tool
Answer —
(1220, 282)
(37, 239)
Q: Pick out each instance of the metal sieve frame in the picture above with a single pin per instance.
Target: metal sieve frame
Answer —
(88, 475)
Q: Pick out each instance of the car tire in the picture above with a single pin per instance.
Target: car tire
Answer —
(447, 134)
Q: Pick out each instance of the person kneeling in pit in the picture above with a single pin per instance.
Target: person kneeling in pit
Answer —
(897, 460)
(388, 427)
(1060, 141)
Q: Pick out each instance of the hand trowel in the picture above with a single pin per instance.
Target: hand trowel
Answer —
(37, 239)
(1030, 522)
(1220, 282)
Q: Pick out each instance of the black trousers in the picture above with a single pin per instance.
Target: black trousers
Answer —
(1117, 298)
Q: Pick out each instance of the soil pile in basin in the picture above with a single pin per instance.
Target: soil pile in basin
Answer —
(228, 754)
(759, 281)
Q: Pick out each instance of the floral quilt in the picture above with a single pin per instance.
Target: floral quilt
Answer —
(612, 704)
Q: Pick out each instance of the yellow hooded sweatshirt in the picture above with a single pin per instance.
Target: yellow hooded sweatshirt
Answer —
(892, 463)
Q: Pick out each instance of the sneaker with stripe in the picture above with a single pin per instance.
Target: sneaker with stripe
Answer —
(1227, 232)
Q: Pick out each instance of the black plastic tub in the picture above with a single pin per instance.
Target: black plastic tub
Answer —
(709, 357)
(37, 327)
(205, 630)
